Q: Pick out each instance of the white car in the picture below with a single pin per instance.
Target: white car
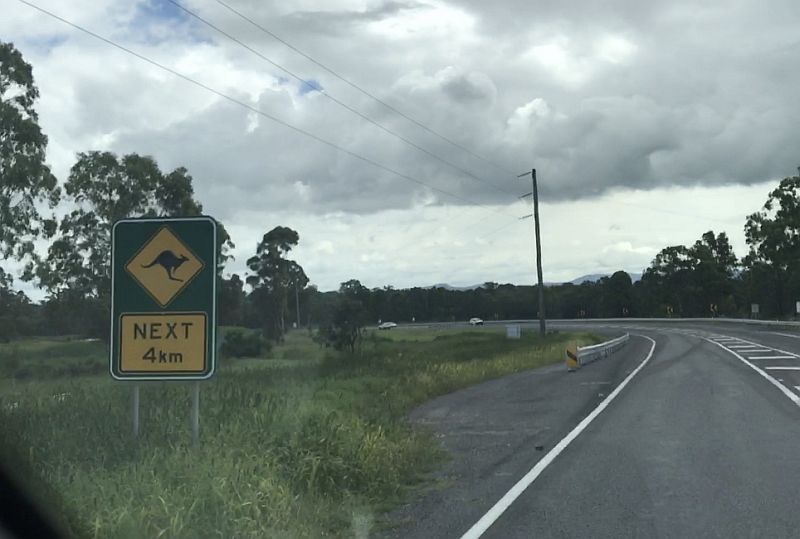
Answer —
(475, 322)
(387, 325)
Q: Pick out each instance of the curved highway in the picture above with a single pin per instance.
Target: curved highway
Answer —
(702, 441)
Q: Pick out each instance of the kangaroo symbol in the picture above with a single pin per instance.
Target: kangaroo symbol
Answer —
(170, 262)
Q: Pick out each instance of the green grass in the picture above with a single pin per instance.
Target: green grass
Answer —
(307, 444)
(297, 346)
(45, 358)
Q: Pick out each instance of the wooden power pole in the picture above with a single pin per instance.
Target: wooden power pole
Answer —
(542, 325)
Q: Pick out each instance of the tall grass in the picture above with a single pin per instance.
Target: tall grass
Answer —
(287, 448)
(52, 358)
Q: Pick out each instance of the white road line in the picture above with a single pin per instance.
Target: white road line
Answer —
(797, 388)
(743, 346)
(785, 390)
(777, 368)
(508, 498)
(772, 348)
(785, 334)
(771, 357)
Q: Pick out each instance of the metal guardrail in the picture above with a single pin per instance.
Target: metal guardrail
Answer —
(587, 354)
(750, 321)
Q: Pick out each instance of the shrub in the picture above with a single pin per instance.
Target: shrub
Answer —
(9, 365)
(346, 330)
(240, 343)
(23, 374)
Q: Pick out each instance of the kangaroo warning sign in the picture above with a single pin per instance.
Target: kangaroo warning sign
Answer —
(164, 266)
(163, 299)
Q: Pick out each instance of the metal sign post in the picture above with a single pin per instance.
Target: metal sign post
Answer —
(163, 303)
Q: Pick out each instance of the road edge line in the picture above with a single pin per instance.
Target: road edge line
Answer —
(785, 390)
(785, 334)
(491, 516)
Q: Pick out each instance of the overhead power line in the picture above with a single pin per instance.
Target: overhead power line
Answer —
(337, 100)
(664, 211)
(496, 230)
(420, 238)
(482, 237)
(257, 110)
(362, 90)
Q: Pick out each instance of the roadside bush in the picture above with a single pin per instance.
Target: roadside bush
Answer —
(8, 328)
(346, 330)
(9, 365)
(293, 352)
(23, 374)
(239, 343)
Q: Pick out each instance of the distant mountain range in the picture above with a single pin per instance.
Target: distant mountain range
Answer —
(594, 277)
(459, 288)
(591, 278)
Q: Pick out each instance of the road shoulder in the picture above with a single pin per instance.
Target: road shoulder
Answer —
(496, 431)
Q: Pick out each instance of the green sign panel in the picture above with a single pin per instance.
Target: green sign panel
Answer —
(163, 298)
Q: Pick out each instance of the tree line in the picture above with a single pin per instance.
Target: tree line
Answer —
(702, 279)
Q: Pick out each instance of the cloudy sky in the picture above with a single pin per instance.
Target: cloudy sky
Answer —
(648, 123)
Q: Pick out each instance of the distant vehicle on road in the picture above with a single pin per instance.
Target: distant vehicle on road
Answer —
(475, 322)
(387, 325)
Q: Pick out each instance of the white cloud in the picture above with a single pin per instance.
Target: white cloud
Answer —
(648, 124)
(564, 65)
(324, 247)
(437, 22)
(437, 244)
(523, 120)
(627, 247)
(614, 49)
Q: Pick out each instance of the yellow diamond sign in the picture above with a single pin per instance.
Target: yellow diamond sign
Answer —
(164, 266)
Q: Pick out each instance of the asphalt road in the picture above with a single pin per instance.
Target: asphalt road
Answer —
(704, 441)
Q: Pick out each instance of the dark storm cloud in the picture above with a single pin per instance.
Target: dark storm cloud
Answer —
(332, 21)
(282, 169)
(596, 96)
(469, 87)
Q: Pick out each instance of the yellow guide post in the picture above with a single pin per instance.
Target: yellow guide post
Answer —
(572, 357)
